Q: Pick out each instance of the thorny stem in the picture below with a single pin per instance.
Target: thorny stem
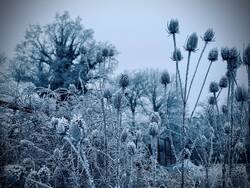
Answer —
(232, 125)
(217, 96)
(177, 68)
(204, 81)
(196, 68)
(84, 162)
(186, 79)
(216, 103)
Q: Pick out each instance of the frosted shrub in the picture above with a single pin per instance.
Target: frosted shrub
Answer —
(62, 125)
(44, 174)
(153, 129)
(28, 164)
(124, 135)
(57, 154)
(14, 175)
(155, 117)
(131, 148)
(32, 176)
(75, 131)
(72, 88)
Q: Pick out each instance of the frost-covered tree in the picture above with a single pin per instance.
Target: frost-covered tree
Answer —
(60, 53)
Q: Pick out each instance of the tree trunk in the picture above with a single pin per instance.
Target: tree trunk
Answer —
(248, 126)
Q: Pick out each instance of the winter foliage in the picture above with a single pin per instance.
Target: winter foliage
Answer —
(68, 121)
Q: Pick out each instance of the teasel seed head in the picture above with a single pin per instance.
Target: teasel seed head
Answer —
(213, 87)
(208, 35)
(124, 81)
(192, 43)
(225, 53)
(213, 55)
(177, 56)
(165, 78)
(223, 83)
(173, 26)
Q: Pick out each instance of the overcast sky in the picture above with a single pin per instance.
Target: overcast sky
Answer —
(137, 28)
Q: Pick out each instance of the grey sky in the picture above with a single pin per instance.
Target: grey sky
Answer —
(136, 28)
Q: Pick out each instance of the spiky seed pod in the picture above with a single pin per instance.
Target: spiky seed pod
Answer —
(192, 42)
(131, 148)
(153, 129)
(213, 55)
(72, 88)
(230, 74)
(124, 81)
(124, 135)
(203, 139)
(61, 126)
(212, 100)
(177, 56)
(186, 154)
(155, 118)
(210, 131)
(44, 174)
(225, 53)
(97, 138)
(105, 52)
(111, 52)
(237, 132)
(165, 78)
(241, 94)
(208, 35)
(173, 26)
(233, 63)
(233, 53)
(224, 109)
(138, 135)
(99, 57)
(57, 154)
(240, 148)
(107, 94)
(227, 128)
(75, 131)
(54, 122)
(246, 57)
(117, 100)
(213, 87)
(223, 82)
(28, 164)
(86, 142)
